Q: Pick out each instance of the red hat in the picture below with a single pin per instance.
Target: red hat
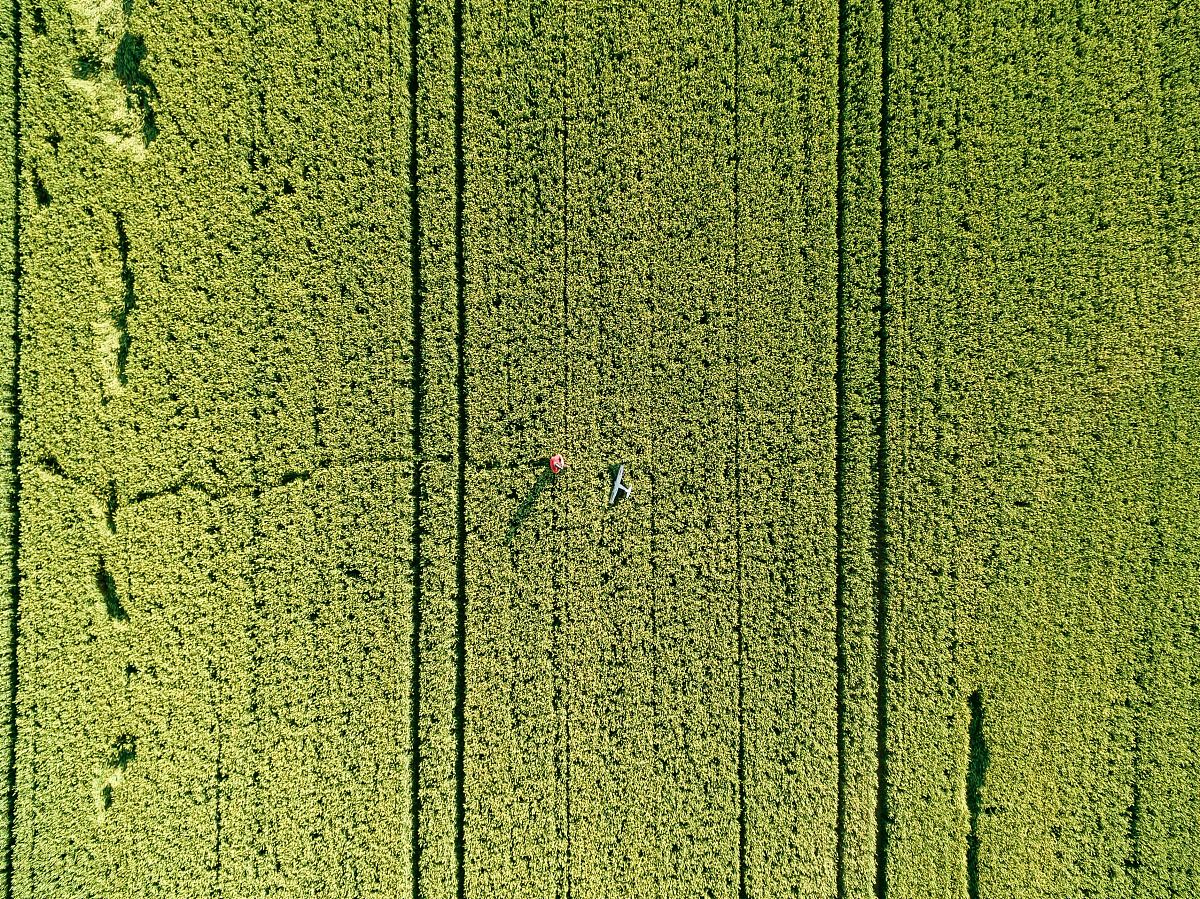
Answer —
(557, 464)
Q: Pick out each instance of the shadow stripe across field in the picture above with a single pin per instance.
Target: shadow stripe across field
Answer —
(889, 308)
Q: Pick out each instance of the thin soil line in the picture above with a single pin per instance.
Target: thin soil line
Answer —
(14, 460)
(460, 381)
(217, 815)
(882, 810)
(977, 765)
(840, 456)
(737, 447)
(563, 626)
(418, 365)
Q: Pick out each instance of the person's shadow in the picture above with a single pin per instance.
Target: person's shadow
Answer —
(522, 512)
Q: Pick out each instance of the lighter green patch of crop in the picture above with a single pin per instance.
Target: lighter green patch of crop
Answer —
(107, 73)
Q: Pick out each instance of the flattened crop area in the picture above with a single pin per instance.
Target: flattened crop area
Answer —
(888, 310)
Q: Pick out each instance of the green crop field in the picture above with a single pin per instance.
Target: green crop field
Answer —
(890, 308)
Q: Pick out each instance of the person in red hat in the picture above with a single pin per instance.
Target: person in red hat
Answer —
(557, 464)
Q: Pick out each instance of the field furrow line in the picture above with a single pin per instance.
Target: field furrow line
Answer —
(12, 471)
